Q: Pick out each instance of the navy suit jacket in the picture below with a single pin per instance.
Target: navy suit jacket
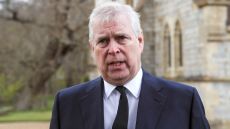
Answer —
(162, 105)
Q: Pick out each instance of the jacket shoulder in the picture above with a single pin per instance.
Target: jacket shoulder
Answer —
(169, 86)
(79, 90)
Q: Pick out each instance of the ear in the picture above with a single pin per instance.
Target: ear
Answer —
(91, 46)
(141, 41)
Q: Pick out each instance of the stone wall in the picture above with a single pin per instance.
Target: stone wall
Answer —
(205, 39)
(168, 13)
(206, 55)
(147, 23)
(216, 100)
(217, 47)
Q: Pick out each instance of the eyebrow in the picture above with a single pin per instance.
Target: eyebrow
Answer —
(120, 33)
(104, 36)
(101, 37)
(123, 34)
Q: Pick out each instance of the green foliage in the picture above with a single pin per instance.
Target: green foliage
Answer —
(43, 103)
(5, 109)
(85, 78)
(26, 116)
(50, 102)
(8, 90)
(58, 80)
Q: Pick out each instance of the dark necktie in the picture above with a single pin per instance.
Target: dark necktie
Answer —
(121, 120)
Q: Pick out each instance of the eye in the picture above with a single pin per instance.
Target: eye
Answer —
(102, 42)
(122, 39)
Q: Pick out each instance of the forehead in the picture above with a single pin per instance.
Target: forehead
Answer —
(118, 23)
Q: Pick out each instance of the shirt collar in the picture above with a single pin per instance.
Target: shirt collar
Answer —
(108, 88)
(133, 85)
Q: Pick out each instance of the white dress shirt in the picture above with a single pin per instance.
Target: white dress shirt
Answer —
(111, 101)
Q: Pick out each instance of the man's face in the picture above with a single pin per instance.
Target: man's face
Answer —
(116, 49)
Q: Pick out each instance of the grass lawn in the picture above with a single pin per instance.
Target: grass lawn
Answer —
(26, 116)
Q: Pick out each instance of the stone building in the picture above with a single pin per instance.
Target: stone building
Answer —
(192, 45)
(189, 41)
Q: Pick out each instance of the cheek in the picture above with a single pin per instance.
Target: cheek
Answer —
(100, 58)
(134, 55)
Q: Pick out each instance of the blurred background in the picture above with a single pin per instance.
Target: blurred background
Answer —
(44, 48)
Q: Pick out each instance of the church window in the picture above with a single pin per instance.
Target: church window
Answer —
(228, 16)
(167, 47)
(178, 46)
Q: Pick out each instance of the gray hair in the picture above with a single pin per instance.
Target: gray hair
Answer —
(107, 11)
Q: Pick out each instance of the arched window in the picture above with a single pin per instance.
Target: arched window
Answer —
(178, 46)
(228, 16)
(167, 48)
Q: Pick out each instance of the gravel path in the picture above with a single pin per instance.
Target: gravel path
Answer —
(25, 125)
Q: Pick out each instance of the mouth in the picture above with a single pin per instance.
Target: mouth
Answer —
(116, 63)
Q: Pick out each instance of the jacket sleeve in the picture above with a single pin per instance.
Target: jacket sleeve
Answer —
(198, 119)
(55, 120)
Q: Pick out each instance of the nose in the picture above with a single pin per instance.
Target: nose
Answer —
(113, 48)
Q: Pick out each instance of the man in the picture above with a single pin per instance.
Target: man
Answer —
(125, 96)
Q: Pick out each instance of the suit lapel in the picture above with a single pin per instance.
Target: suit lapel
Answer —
(92, 106)
(151, 103)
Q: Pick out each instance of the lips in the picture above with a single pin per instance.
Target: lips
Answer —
(116, 64)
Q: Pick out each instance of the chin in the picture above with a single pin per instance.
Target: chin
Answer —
(119, 79)
(118, 75)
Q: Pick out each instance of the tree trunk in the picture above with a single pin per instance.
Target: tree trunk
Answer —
(48, 65)
(65, 38)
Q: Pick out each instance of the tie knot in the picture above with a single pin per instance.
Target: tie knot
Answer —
(121, 89)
